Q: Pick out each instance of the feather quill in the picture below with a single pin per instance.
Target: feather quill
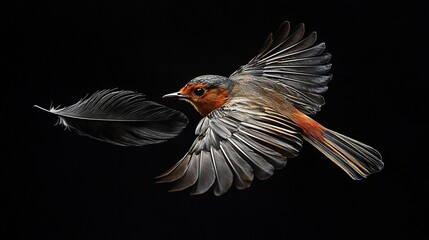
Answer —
(121, 117)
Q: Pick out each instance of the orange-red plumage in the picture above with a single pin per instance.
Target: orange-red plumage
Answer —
(309, 126)
(212, 99)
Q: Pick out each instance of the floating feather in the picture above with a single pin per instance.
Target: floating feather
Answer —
(122, 118)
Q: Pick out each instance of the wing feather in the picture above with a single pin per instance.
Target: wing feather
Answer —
(177, 171)
(243, 172)
(261, 168)
(286, 44)
(190, 176)
(206, 173)
(224, 177)
(294, 62)
(235, 143)
(273, 157)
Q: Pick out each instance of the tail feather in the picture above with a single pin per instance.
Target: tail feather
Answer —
(358, 160)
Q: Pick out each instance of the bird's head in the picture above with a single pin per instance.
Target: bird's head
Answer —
(206, 93)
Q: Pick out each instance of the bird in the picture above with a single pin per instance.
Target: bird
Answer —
(259, 117)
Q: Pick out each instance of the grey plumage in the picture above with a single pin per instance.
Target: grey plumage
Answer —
(301, 68)
(357, 159)
(233, 150)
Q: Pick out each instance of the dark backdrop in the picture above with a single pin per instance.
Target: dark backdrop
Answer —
(59, 185)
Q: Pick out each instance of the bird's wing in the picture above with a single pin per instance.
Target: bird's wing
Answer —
(234, 143)
(295, 62)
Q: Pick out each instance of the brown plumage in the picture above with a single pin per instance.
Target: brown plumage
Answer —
(257, 118)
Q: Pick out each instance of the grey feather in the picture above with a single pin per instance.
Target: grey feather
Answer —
(177, 171)
(357, 159)
(285, 44)
(309, 61)
(190, 176)
(243, 172)
(262, 168)
(272, 141)
(122, 118)
(271, 156)
(202, 126)
(206, 174)
(224, 177)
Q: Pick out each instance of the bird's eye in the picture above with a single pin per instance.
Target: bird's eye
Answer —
(199, 92)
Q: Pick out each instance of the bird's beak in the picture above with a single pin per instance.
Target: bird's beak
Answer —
(174, 95)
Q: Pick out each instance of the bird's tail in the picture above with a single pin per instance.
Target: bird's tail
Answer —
(358, 160)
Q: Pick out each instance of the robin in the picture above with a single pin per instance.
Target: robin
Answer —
(257, 118)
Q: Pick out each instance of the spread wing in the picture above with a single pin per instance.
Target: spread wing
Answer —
(233, 144)
(296, 63)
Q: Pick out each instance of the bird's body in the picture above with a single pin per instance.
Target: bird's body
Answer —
(258, 117)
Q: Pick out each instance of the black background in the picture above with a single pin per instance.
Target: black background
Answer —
(59, 185)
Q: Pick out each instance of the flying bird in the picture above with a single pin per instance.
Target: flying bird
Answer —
(258, 117)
